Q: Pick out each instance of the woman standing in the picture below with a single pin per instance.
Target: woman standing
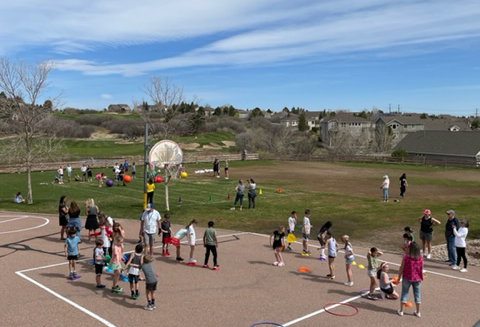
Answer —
(92, 223)
(384, 187)
(74, 214)
(426, 231)
(251, 193)
(240, 189)
(411, 271)
(62, 216)
(403, 185)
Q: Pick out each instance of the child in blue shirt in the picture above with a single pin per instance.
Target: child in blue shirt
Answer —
(72, 252)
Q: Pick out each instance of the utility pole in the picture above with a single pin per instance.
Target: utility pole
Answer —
(476, 113)
(389, 108)
(398, 110)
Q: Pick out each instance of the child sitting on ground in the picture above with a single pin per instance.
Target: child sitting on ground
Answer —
(150, 281)
(99, 258)
(386, 284)
(72, 252)
(133, 264)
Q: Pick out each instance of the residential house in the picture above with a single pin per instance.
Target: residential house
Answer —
(343, 122)
(289, 120)
(313, 119)
(242, 113)
(461, 146)
(120, 108)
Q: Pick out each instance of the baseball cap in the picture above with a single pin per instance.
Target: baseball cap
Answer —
(150, 206)
(427, 212)
(450, 212)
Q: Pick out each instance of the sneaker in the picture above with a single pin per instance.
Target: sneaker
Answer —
(463, 270)
(455, 267)
(216, 268)
(154, 306)
(133, 297)
(322, 259)
(373, 297)
(275, 263)
(180, 259)
(429, 256)
(240, 208)
(232, 208)
(206, 266)
(137, 296)
(148, 307)
(348, 283)
(167, 253)
(331, 277)
(418, 314)
(281, 264)
(400, 313)
(289, 248)
(100, 286)
(192, 260)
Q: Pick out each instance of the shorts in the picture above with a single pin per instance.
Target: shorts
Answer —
(166, 238)
(149, 239)
(331, 257)
(72, 257)
(289, 231)
(151, 287)
(426, 236)
(372, 273)
(306, 236)
(98, 269)
(321, 240)
(114, 266)
(191, 241)
(387, 290)
(350, 260)
(133, 279)
(226, 168)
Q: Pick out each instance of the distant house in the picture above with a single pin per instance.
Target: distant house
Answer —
(343, 122)
(120, 108)
(208, 111)
(449, 146)
(313, 119)
(289, 120)
(242, 113)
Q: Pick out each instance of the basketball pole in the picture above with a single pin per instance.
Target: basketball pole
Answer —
(145, 166)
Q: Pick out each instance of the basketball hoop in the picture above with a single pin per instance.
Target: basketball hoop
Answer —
(166, 152)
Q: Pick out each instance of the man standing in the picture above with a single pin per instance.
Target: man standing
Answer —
(149, 227)
(450, 236)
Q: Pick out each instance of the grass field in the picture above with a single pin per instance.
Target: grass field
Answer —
(348, 195)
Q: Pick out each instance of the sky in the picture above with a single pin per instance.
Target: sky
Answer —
(419, 56)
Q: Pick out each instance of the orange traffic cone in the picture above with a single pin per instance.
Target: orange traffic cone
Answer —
(280, 190)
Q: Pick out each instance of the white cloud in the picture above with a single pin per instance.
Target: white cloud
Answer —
(106, 96)
(254, 31)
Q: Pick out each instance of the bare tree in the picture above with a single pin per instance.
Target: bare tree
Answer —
(23, 84)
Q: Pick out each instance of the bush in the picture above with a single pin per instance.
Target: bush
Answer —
(92, 120)
(70, 129)
(224, 125)
(400, 153)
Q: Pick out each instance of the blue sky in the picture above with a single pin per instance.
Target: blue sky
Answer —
(330, 54)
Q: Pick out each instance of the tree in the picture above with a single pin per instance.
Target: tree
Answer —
(218, 111)
(29, 122)
(302, 122)
(257, 112)
(475, 124)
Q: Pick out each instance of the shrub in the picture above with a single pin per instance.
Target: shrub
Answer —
(400, 153)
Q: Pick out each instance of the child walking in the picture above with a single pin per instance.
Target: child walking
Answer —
(349, 258)
(99, 258)
(191, 241)
(134, 263)
(306, 232)
(72, 252)
(461, 244)
(99, 178)
(150, 281)
(116, 263)
(278, 242)
(210, 243)
(386, 284)
(292, 221)
(166, 231)
(372, 260)
(331, 245)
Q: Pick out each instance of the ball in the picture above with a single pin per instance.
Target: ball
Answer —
(109, 182)
(158, 179)
(127, 178)
(184, 174)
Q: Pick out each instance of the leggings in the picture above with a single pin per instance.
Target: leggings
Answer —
(460, 255)
(149, 197)
(251, 200)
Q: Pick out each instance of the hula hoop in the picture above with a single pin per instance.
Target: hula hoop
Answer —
(340, 314)
(266, 323)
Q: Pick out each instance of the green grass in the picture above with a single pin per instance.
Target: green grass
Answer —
(362, 217)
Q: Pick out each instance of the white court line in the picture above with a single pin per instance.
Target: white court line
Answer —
(6, 221)
(30, 228)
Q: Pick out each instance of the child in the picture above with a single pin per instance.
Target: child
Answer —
(292, 221)
(150, 190)
(306, 232)
(134, 263)
(386, 284)
(116, 263)
(226, 169)
(150, 281)
(166, 231)
(105, 232)
(406, 242)
(409, 231)
(349, 258)
(134, 170)
(99, 178)
(372, 256)
(331, 245)
(176, 241)
(461, 245)
(99, 258)
(18, 198)
(210, 243)
(321, 237)
(89, 173)
(278, 243)
(72, 252)
(191, 241)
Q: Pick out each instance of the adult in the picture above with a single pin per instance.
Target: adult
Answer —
(411, 272)
(403, 185)
(226, 169)
(384, 187)
(252, 194)
(63, 216)
(149, 227)
(74, 217)
(216, 168)
(426, 231)
(450, 237)
(92, 223)
(240, 189)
